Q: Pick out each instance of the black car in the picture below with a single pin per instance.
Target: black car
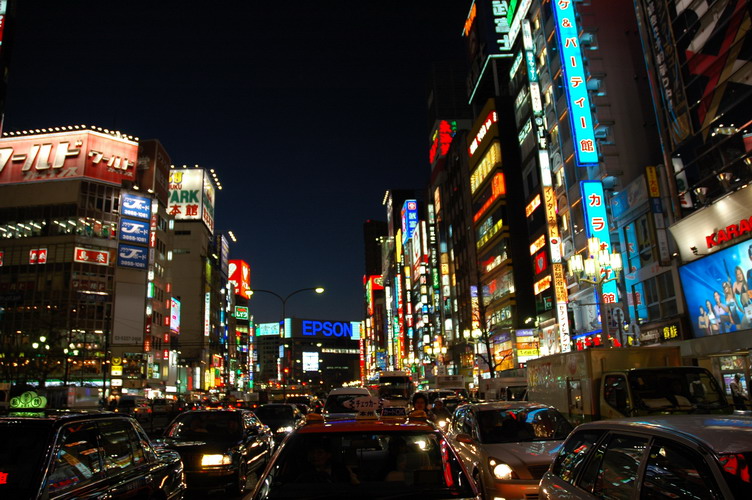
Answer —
(282, 418)
(220, 448)
(56, 455)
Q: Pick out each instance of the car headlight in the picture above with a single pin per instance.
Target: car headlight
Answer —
(285, 429)
(208, 460)
(442, 423)
(501, 470)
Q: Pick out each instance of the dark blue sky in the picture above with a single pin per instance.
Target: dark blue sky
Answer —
(308, 111)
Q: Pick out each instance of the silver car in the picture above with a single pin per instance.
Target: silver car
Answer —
(672, 456)
(507, 446)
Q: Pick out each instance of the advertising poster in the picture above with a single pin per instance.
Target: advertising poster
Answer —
(310, 361)
(240, 277)
(191, 196)
(717, 291)
(174, 315)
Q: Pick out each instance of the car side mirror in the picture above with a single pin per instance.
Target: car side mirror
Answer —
(464, 438)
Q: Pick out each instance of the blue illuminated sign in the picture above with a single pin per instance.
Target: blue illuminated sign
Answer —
(134, 231)
(315, 328)
(135, 206)
(409, 219)
(133, 257)
(575, 83)
(596, 226)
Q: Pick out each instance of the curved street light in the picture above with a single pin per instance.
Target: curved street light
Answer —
(318, 290)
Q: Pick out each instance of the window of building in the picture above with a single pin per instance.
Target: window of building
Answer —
(659, 296)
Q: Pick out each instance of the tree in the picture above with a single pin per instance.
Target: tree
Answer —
(485, 328)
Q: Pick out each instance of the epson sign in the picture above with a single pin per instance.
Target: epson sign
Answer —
(313, 328)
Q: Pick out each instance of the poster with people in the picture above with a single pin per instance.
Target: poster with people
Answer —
(717, 291)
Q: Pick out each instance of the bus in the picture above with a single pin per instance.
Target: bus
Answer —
(396, 387)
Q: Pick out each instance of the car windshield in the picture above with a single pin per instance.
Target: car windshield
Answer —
(676, 390)
(522, 424)
(21, 455)
(335, 403)
(206, 425)
(274, 413)
(382, 465)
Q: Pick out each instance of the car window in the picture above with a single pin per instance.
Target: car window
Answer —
(514, 425)
(737, 468)
(573, 454)
(611, 473)
(393, 465)
(676, 471)
(466, 424)
(145, 443)
(218, 424)
(77, 460)
(116, 444)
(616, 392)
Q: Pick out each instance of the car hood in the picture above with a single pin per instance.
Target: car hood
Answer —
(524, 453)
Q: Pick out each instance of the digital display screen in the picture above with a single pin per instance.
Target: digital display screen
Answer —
(310, 361)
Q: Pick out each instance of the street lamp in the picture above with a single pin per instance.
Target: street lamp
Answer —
(597, 269)
(318, 290)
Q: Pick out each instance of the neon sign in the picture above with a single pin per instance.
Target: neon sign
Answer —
(596, 226)
(409, 219)
(326, 328)
(575, 83)
(484, 128)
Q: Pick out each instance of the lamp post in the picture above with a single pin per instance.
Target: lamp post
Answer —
(597, 270)
(318, 290)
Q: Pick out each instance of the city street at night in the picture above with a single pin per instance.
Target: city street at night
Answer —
(460, 249)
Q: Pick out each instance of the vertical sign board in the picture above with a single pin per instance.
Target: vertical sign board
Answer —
(207, 314)
(240, 277)
(174, 315)
(659, 226)
(575, 83)
(409, 219)
(596, 226)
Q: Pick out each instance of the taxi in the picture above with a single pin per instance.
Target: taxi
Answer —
(366, 457)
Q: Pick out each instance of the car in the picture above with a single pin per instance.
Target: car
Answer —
(334, 407)
(137, 407)
(670, 456)
(507, 446)
(369, 458)
(161, 406)
(282, 418)
(434, 394)
(220, 448)
(69, 455)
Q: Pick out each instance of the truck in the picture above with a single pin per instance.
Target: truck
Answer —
(72, 397)
(512, 388)
(605, 383)
(455, 383)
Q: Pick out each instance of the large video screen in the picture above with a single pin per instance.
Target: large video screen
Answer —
(717, 290)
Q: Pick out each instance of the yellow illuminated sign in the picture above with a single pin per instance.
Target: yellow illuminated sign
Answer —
(560, 282)
(654, 189)
(542, 285)
(537, 245)
(532, 205)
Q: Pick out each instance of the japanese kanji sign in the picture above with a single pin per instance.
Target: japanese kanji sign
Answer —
(191, 196)
(596, 226)
(100, 258)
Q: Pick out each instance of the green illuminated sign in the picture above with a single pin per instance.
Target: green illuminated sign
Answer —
(28, 399)
(241, 312)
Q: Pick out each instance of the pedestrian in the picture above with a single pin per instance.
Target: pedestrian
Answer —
(738, 394)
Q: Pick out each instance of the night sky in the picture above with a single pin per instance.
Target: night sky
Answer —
(308, 111)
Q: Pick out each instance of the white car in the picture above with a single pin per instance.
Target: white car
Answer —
(335, 407)
(672, 456)
(507, 446)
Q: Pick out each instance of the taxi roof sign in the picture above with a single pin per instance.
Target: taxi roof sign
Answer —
(28, 400)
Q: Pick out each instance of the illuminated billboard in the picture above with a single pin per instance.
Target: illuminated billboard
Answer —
(596, 226)
(240, 277)
(310, 361)
(241, 312)
(192, 196)
(67, 155)
(717, 291)
(266, 329)
(575, 83)
(174, 315)
(322, 329)
(409, 219)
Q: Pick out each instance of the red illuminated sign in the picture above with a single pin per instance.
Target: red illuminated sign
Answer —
(91, 256)
(498, 188)
(541, 262)
(730, 232)
(484, 128)
(442, 139)
(66, 155)
(240, 277)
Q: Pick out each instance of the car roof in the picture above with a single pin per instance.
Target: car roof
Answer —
(506, 405)
(349, 390)
(721, 433)
(59, 415)
(367, 425)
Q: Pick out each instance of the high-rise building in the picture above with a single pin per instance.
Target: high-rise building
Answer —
(198, 277)
(698, 58)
